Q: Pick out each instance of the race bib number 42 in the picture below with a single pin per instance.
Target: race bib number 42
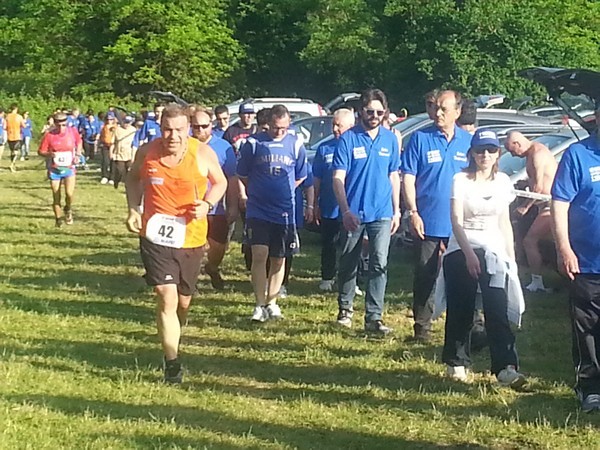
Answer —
(168, 231)
(63, 159)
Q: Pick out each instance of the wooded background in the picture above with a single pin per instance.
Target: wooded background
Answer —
(219, 50)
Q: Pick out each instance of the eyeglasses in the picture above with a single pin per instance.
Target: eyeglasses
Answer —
(203, 126)
(482, 150)
(375, 112)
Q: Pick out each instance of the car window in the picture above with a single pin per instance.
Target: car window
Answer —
(552, 140)
(410, 122)
(510, 164)
(485, 122)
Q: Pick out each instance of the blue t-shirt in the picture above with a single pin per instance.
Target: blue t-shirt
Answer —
(149, 131)
(2, 130)
(368, 164)
(308, 182)
(218, 132)
(272, 168)
(577, 181)
(434, 161)
(322, 169)
(26, 130)
(91, 130)
(227, 162)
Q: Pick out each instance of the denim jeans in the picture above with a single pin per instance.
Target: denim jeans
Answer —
(351, 243)
(25, 146)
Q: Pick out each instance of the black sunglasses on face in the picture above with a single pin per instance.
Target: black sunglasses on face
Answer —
(375, 112)
(203, 126)
(490, 150)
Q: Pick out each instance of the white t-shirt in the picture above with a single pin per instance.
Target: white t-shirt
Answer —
(483, 204)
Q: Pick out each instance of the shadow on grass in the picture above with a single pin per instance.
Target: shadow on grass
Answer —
(307, 436)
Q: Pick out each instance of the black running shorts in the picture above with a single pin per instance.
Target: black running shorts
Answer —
(281, 239)
(166, 265)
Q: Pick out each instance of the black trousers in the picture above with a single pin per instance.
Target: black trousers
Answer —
(105, 162)
(461, 289)
(584, 297)
(119, 171)
(330, 236)
(427, 254)
(89, 149)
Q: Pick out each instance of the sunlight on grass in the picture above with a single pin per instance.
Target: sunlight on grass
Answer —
(81, 361)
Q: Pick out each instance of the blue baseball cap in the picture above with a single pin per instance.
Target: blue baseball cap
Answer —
(485, 138)
(110, 115)
(247, 108)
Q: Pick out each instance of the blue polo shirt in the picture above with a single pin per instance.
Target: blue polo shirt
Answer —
(434, 161)
(309, 182)
(227, 162)
(218, 132)
(272, 168)
(322, 169)
(149, 131)
(26, 130)
(368, 164)
(91, 130)
(577, 182)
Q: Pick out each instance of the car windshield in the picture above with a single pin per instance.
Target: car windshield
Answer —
(511, 165)
(410, 122)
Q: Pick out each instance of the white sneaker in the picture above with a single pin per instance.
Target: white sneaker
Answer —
(509, 377)
(274, 311)
(22, 158)
(260, 314)
(326, 285)
(458, 373)
(111, 182)
(104, 180)
(358, 292)
(282, 292)
(536, 287)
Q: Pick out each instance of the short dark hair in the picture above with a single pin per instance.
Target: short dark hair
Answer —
(13, 106)
(220, 109)
(263, 116)
(159, 104)
(90, 112)
(431, 95)
(174, 110)
(468, 113)
(278, 112)
(373, 95)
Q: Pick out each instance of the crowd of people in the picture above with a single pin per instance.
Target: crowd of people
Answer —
(189, 176)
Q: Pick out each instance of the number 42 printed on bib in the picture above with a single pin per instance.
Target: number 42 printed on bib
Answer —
(165, 230)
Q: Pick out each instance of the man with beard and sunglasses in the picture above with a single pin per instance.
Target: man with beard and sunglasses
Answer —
(429, 162)
(366, 183)
(223, 213)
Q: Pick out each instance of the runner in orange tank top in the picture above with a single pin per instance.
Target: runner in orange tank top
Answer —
(171, 174)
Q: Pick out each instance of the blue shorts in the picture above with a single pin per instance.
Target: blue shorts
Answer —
(57, 175)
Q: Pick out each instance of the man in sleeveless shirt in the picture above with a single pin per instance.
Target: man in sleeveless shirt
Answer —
(172, 174)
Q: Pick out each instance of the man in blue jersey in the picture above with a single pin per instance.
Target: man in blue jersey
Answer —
(271, 164)
(326, 208)
(576, 223)
(3, 137)
(367, 187)
(222, 120)
(218, 217)
(91, 134)
(431, 159)
(151, 128)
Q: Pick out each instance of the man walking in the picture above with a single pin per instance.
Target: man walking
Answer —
(576, 222)
(219, 217)
(171, 174)
(272, 165)
(431, 159)
(14, 127)
(366, 183)
(326, 208)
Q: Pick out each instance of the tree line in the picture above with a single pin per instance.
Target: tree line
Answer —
(219, 50)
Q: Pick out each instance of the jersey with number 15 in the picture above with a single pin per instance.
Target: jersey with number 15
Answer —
(272, 168)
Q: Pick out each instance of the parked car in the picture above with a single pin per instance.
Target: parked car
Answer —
(298, 107)
(313, 130)
(557, 143)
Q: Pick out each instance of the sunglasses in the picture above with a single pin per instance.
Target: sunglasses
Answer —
(375, 112)
(481, 151)
(201, 126)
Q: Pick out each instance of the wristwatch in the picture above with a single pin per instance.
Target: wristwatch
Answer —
(412, 212)
(210, 205)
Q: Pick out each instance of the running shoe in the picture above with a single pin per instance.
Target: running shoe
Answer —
(358, 292)
(104, 180)
(326, 285)
(260, 314)
(509, 377)
(590, 402)
(457, 373)
(59, 222)
(282, 292)
(344, 318)
(216, 280)
(173, 372)
(68, 216)
(274, 311)
(377, 327)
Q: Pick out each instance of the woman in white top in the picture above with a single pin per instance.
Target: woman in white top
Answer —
(481, 252)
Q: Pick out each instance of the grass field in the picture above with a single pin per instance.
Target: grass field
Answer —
(80, 358)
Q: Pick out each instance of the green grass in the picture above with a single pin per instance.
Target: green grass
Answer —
(79, 355)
